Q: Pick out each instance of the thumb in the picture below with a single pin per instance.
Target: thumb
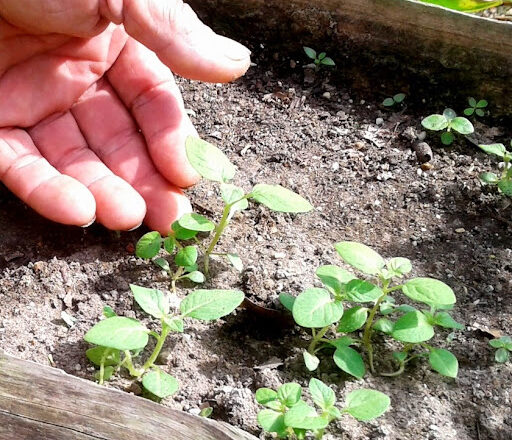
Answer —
(174, 32)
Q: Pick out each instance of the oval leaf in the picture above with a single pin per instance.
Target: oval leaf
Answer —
(289, 394)
(109, 356)
(310, 360)
(350, 361)
(435, 122)
(287, 300)
(366, 405)
(496, 149)
(195, 276)
(235, 261)
(160, 384)
(384, 325)
(315, 308)
(462, 125)
(360, 256)
(429, 291)
(443, 362)
(311, 53)
(186, 256)
(272, 421)
(148, 245)
(209, 161)
(152, 301)
(265, 395)
(413, 327)
(447, 138)
(506, 187)
(362, 291)
(353, 319)
(181, 233)
(502, 355)
(321, 394)
(489, 178)
(334, 277)
(196, 222)
(399, 266)
(279, 198)
(118, 332)
(303, 416)
(208, 305)
(388, 102)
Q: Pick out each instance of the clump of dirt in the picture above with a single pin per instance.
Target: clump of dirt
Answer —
(366, 184)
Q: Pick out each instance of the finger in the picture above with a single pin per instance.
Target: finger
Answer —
(112, 134)
(118, 205)
(147, 88)
(30, 177)
(179, 38)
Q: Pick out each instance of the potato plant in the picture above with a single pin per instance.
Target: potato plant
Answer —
(503, 348)
(372, 307)
(119, 340)
(503, 182)
(448, 123)
(184, 242)
(320, 59)
(290, 417)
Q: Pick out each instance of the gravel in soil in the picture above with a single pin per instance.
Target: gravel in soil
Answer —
(366, 184)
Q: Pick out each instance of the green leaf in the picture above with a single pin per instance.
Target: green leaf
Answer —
(186, 256)
(327, 61)
(107, 373)
(321, 55)
(162, 263)
(169, 244)
(350, 361)
(195, 276)
(413, 327)
(235, 261)
(447, 138)
(399, 97)
(388, 102)
(160, 384)
(180, 233)
(108, 312)
(148, 245)
(490, 178)
(196, 222)
(360, 256)
(265, 395)
(315, 308)
(209, 161)
(462, 125)
(480, 112)
(303, 416)
(272, 421)
(311, 53)
(334, 277)
(472, 102)
(469, 111)
(366, 405)
(118, 332)
(95, 355)
(175, 324)
(279, 198)
(230, 194)
(482, 103)
(310, 360)
(209, 305)
(506, 187)
(429, 291)
(344, 341)
(321, 394)
(353, 319)
(289, 393)
(384, 325)
(449, 114)
(444, 319)
(503, 342)
(287, 301)
(362, 291)
(399, 266)
(152, 301)
(443, 362)
(206, 412)
(435, 122)
(502, 355)
(400, 356)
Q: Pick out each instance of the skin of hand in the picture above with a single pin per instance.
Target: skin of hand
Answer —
(92, 124)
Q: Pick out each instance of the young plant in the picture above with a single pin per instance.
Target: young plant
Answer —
(504, 182)
(397, 99)
(448, 123)
(290, 417)
(319, 60)
(476, 107)
(213, 165)
(372, 308)
(118, 340)
(504, 348)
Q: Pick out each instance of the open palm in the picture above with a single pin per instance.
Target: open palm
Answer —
(92, 124)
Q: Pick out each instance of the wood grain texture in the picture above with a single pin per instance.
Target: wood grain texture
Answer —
(42, 403)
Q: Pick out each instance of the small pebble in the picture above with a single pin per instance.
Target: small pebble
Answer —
(327, 95)
(78, 367)
(460, 230)
(194, 411)
(335, 166)
(422, 135)
(379, 121)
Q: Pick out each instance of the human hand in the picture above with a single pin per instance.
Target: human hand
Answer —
(92, 124)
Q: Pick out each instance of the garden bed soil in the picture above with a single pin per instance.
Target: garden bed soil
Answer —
(281, 126)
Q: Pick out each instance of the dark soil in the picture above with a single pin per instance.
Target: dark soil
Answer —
(280, 126)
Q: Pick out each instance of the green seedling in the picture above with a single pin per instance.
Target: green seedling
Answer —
(212, 165)
(504, 182)
(476, 107)
(397, 99)
(448, 123)
(320, 59)
(504, 348)
(119, 340)
(372, 307)
(290, 417)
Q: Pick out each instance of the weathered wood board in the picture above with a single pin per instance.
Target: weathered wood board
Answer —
(43, 403)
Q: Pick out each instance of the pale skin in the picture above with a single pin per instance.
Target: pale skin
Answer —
(92, 124)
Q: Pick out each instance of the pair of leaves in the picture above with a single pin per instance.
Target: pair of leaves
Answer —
(504, 347)
(213, 164)
(448, 121)
(475, 107)
(396, 99)
(322, 57)
(315, 308)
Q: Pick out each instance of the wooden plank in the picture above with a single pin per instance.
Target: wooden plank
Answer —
(40, 402)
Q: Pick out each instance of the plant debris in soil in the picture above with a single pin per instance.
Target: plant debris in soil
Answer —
(366, 184)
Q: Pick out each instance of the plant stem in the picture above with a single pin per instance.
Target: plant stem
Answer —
(317, 336)
(175, 277)
(158, 347)
(395, 373)
(129, 364)
(218, 233)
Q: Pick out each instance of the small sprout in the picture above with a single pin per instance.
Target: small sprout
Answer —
(396, 99)
(348, 305)
(450, 122)
(476, 107)
(504, 181)
(206, 412)
(319, 60)
(290, 417)
(504, 348)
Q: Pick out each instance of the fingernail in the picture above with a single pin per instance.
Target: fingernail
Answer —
(133, 229)
(90, 223)
(235, 51)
